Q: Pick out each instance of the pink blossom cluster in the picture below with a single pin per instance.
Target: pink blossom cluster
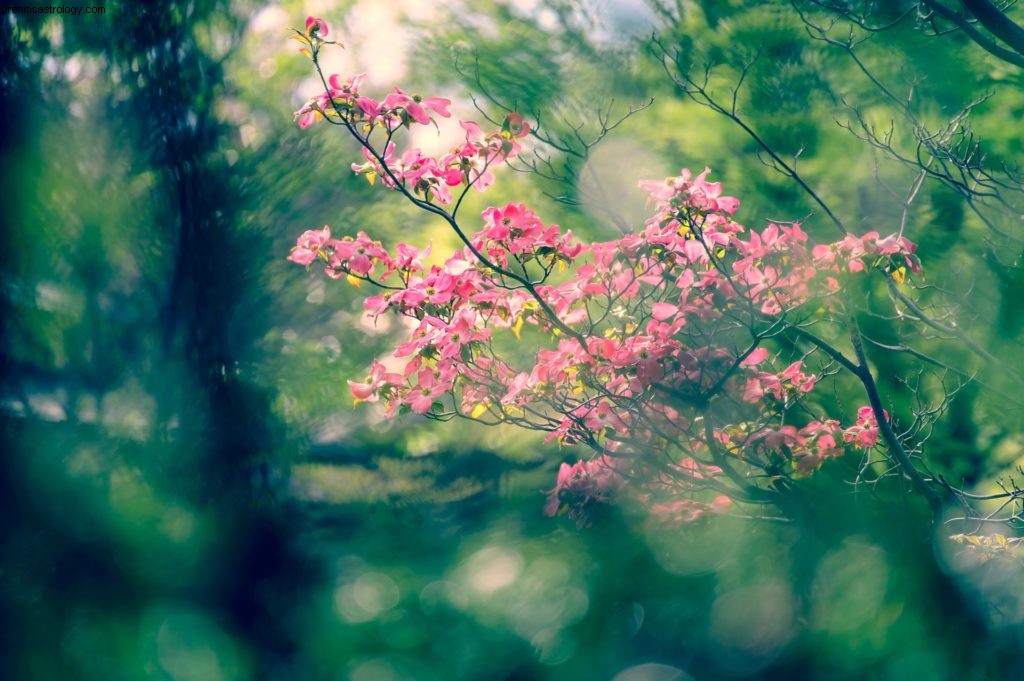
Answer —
(864, 433)
(433, 178)
(359, 256)
(606, 479)
(468, 164)
(810, 445)
(779, 385)
(895, 253)
(342, 101)
(582, 484)
(653, 348)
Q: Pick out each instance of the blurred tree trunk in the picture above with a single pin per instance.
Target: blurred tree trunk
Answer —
(224, 422)
(216, 446)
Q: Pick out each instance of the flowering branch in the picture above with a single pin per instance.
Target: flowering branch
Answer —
(668, 352)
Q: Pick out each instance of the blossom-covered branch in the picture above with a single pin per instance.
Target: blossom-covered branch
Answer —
(681, 354)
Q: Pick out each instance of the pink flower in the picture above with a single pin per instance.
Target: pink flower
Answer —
(379, 378)
(797, 378)
(307, 117)
(649, 371)
(370, 107)
(438, 105)
(514, 222)
(663, 311)
(786, 436)
(410, 258)
(582, 484)
(316, 27)
(309, 246)
(462, 331)
(865, 432)
(347, 88)
(430, 386)
(429, 330)
(516, 126)
(760, 385)
(866, 438)
(756, 357)
(416, 107)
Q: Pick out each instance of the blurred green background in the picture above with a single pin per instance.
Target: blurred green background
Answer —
(187, 491)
